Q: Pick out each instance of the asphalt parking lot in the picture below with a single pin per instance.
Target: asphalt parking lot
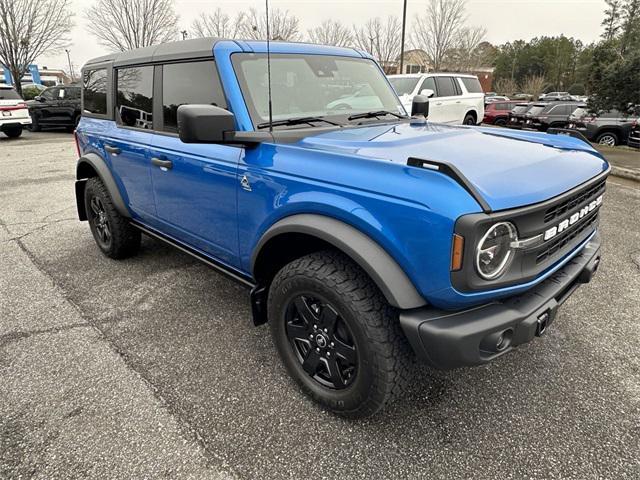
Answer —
(151, 368)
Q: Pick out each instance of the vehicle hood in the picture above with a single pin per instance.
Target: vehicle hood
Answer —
(508, 168)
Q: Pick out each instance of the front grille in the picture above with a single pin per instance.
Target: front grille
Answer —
(556, 245)
(573, 201)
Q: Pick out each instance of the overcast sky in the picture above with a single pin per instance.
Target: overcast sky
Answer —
(505, 20)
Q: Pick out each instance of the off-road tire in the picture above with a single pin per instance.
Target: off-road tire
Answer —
(385, 359)
(124, 239)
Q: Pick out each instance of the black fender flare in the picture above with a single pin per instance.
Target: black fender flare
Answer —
(385, 272)
(93, 162)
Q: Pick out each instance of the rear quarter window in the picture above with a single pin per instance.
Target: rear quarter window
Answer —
(94, 85)
(471, 84)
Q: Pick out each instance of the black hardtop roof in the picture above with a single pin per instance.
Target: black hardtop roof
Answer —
(195, 48)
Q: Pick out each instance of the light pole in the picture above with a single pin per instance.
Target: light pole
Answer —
(184, 34)
(404, 22)
(70, 67)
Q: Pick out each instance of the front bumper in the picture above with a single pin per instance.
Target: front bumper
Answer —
(448, 340)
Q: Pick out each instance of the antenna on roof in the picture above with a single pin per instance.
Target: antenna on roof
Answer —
(269, 69)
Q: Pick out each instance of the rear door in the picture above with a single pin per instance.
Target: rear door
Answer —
(195, 185)
(46, 108)
(128, 145)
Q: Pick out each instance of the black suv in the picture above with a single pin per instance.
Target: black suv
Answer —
(607, 128)
(517, 114)
(57, 106)
(543, 116)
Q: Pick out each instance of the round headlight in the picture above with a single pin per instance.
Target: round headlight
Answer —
(494, 251)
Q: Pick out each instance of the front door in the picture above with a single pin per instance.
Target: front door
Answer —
(195, 185)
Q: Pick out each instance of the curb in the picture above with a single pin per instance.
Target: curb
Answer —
(627, 173)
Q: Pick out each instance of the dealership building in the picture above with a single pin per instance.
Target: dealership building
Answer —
(43, 76)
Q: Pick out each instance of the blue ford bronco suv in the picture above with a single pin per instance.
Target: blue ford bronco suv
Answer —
(367, 238)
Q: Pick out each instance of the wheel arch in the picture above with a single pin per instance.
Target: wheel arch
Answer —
(300, 234)
(473, 113)
(92, 165)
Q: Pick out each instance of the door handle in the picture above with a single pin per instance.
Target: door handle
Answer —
(438, 103)
(158, 162)
(112, 150)
(459, 101)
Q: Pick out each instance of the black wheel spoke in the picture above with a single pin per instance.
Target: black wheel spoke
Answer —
(95, 208)
(335, 373)
(305, 311)
(345, 351)
(311, 362)
(328, 318)
(297, 331)
(107, 232)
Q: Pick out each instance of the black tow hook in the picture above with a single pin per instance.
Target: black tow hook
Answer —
(543, 321)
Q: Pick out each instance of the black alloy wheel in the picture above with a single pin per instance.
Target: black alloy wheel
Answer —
(100, 222)
(321, 341)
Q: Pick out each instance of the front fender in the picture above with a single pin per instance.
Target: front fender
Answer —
(385, 272)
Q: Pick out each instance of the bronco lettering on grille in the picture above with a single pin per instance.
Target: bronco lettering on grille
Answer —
(572, 220)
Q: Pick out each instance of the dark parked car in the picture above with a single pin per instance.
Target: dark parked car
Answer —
(497, 113)
(545, 115)
(634, 135)
(56, 107)
(517, 114)
(607, 128)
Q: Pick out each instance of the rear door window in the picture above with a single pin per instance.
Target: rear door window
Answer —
(203, 87)
(134, 99)
(445, 86)
(94, 84)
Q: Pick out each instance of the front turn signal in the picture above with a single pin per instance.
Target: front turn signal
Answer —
(456, 252)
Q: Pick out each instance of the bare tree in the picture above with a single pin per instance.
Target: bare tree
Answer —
(331, 32)
(218, 24)
(505, 86)
(466, 54)
(282, 25)
(125, 24)
(437, 31)
(381, 39)
(534, 85)
(30, 28)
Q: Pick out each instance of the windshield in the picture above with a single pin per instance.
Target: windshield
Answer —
(520, 108)
(312, 86)
(403, 85)
(579, 112)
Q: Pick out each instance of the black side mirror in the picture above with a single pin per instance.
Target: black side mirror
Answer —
(420, 106)
(38, 98)
(204, 123)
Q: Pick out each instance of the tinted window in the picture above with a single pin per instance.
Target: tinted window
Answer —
(51, 93)
(94, 83)
(445, 86)
(134, 104)
(72, 93)
(537, 109)
(203, 87)
(430, 84)
(9, 94)
(471, 84)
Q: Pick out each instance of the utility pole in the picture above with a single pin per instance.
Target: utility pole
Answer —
(70, 67)
(184, 34)
(404, 22)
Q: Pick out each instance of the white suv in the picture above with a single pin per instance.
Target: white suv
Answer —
(14, 113)
(457, 98)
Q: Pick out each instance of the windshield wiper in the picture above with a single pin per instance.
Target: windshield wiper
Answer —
(378, 113)
(298, 121)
